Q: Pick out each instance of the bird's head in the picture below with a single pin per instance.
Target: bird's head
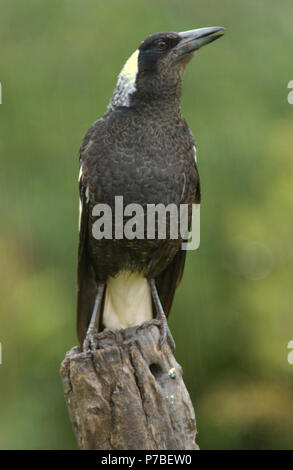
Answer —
(155, 69)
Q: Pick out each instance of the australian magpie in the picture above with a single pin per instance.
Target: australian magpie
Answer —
(142, 150)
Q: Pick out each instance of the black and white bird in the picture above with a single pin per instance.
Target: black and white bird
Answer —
(141, 149)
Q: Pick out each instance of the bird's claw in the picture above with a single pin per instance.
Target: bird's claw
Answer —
(171, 340)
(89, 343)
(165, 331)
(166, 335)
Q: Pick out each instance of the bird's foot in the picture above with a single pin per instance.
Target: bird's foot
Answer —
(89, 343)
(165, 334)
(165, 331)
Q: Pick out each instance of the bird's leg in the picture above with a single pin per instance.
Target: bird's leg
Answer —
(89, 341)
(165, 331)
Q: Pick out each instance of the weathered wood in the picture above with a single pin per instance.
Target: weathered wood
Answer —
(128, 394)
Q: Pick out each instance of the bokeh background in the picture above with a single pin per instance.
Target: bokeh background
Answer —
(233, 314)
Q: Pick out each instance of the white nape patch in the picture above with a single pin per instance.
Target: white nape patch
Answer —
(126, 82)
(194, 150)
(128, 301)
(130, 67)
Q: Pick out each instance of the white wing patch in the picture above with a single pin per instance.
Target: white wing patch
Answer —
(80, 204)
(86, 195)
(126, 82)
(194, 150)
(80, 173)
(79, 214)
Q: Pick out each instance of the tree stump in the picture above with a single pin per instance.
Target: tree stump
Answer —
(128, 394)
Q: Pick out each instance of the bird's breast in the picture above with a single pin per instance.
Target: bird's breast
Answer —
(147, 166)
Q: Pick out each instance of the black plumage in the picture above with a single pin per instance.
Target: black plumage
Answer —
(141, 149)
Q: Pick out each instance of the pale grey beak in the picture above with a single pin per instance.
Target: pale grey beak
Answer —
(196, 38)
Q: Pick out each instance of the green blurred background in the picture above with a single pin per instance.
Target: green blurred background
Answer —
(232, 317)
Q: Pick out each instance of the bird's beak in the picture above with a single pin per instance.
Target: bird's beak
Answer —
(195, 38)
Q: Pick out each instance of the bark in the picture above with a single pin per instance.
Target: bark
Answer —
(127, 394)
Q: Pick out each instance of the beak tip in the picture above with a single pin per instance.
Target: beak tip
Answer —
(194, 39)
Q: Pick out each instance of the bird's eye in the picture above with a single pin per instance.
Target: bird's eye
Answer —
(162, 45)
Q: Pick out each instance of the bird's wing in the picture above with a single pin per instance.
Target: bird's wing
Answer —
(170, 278)
(86, 283)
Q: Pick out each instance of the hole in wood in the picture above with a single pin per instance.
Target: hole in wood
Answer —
(156, 370)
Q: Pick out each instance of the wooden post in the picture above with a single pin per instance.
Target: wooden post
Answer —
(127, 394)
